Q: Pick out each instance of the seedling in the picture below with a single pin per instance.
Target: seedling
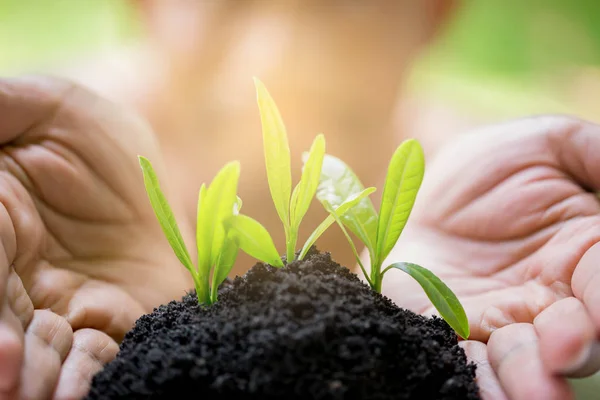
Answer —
(291, 206)
(217, 251)
(380, 232)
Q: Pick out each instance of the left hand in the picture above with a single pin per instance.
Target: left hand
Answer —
(82, 255)
(507, 217)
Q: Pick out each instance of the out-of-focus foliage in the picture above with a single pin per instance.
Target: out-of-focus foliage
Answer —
(38, 33)
(508, 58)
(515, 37)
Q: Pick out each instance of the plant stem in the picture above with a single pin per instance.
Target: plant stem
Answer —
(202, 289)
(292, 238)
(376, 277)
(377, 284)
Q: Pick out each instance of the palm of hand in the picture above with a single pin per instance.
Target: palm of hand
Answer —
(77, 226)
(504, 223)
(504, 217)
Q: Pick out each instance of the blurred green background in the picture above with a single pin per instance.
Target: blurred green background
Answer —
(512, 57)
(495, 59)
(503, 57)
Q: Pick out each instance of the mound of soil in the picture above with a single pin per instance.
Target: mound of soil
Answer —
(311, 330)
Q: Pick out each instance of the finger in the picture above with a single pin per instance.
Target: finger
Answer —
(567, 339)
(24, 102)
(102, 307)
(90, 351)
(572, 145)
(514, 354)
(11, 352)
(86, 303)
(489, 386)
(586, 281)
(47, 342)
(17, 312)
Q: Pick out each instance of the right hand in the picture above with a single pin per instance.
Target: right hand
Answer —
(509, 218)
(81, 253)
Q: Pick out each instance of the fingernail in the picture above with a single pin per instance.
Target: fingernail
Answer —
(586, 363)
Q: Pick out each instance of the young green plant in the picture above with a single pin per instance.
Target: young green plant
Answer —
(379, 232)
(217, 251)
(291, 205)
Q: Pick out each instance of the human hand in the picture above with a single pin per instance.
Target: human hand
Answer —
(508, 218)
(80, 244)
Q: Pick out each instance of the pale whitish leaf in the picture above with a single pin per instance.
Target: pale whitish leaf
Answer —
(337, 184)
(340, 210)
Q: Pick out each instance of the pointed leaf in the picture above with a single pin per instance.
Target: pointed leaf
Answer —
(353, 201)
(402, 183)
(223, 191)
(337, 184)
(203, 246)
(224, 264)
(214, 203)
(277, 152)
(442, 298)
(165, 215)
(254, 239)
(305, 191)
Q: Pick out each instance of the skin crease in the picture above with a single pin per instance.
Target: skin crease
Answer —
(514, 238)
(76, 227)
(53, 124)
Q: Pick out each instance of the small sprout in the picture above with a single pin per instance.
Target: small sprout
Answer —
(291, 206)
(217, 251)
(380, 232)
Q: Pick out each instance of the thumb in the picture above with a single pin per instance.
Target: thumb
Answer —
(26, 102)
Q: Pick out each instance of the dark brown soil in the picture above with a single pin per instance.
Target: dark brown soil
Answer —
(311, 330)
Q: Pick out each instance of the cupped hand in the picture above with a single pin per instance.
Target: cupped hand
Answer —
(81, 253)
(508, 218)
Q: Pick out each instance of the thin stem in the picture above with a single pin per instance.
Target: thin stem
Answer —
(202, 288)
(292, 238)
(352, 246)
(213, 291)
(376, 276)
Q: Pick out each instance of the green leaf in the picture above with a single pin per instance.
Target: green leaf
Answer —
(254, 239)
(402, 183)
(337, 184)
(277, 152)
(165, 215)
(353, 201)
(215, 203)
(442, 298)
(203, 245)
(224, 264)
(223, 190)
(305, 191)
